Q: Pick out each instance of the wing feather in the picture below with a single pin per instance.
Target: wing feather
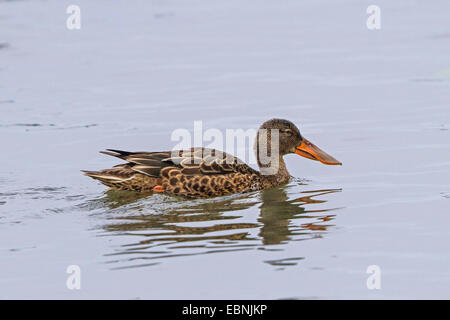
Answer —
(191, 162)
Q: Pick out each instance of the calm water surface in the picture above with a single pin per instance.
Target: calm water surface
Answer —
(379, 101)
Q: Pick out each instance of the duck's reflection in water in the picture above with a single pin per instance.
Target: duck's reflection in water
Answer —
(278, 216)
(164, 227)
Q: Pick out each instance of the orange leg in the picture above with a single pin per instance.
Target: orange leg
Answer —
(158, 189)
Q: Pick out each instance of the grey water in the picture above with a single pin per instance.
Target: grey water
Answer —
(377, 100)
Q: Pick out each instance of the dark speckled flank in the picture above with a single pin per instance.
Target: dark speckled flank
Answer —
(197, 172)
(175, 182)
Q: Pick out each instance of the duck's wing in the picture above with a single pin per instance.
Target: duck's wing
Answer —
(194, 161)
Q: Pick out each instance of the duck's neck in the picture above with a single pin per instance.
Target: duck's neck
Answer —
(277, 176)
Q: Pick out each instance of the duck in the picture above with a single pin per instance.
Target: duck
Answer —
(200, 172)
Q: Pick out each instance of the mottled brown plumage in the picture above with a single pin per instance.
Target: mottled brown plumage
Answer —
(204, 172)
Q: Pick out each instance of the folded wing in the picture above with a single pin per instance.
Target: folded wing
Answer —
(194, 161)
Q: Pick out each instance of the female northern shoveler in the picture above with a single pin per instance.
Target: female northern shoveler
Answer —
(203, 172)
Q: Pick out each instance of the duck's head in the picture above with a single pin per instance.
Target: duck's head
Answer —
(290, 141)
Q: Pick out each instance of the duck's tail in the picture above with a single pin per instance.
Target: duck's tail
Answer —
(122, 177)
(115, 177)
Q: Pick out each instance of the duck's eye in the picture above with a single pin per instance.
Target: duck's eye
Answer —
(286, 131)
